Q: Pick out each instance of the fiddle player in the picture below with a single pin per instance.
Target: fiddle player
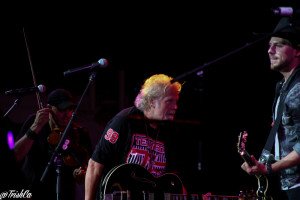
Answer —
(37, 140)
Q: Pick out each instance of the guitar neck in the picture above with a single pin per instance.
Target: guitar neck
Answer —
(126, 195)
(247, 158)
(262, 180)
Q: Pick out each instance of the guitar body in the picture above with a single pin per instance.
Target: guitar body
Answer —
(263, 184)
(262, 180)
(132, 181)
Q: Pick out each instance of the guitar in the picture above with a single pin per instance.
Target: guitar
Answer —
(262, 180)
(134, 182)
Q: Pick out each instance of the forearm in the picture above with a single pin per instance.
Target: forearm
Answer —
(288, 161)
(92, 178)
(22, 147)
(24, 144)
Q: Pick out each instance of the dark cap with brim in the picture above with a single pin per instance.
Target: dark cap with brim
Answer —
(61, 98)
(288, 28)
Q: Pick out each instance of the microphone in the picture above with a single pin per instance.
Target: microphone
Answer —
(285, 11)
(102, 63)
(39, 88)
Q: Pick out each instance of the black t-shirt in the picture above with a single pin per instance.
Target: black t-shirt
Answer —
(128, 138)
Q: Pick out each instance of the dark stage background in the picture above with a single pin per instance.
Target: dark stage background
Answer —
(234, 93)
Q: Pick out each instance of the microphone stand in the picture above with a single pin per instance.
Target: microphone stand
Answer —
(56, 156)
(11, 108)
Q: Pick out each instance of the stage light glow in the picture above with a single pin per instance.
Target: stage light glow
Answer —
(10, 140)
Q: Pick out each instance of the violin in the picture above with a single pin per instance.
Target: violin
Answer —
(73, 153)
(54, 137)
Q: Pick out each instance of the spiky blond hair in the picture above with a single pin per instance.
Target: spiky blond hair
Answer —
(154, 87)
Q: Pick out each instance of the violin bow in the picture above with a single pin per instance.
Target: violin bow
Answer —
(38, 97)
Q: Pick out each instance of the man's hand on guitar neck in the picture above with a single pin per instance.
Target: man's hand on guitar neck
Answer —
(256, 169)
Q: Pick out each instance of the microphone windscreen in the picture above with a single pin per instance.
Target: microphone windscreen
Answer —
(41, 88)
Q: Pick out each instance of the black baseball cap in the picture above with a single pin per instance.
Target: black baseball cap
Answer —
(61, 98)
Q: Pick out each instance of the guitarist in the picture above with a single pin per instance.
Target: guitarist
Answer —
(284, 55)
(138, 134)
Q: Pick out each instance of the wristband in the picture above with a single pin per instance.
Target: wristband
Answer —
(269, 168)
(31, 134)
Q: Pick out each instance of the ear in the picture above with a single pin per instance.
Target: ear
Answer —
(152, 103)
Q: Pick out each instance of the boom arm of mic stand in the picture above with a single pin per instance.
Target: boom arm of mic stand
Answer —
(64, 136)
(200, 68)
(11, 108)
